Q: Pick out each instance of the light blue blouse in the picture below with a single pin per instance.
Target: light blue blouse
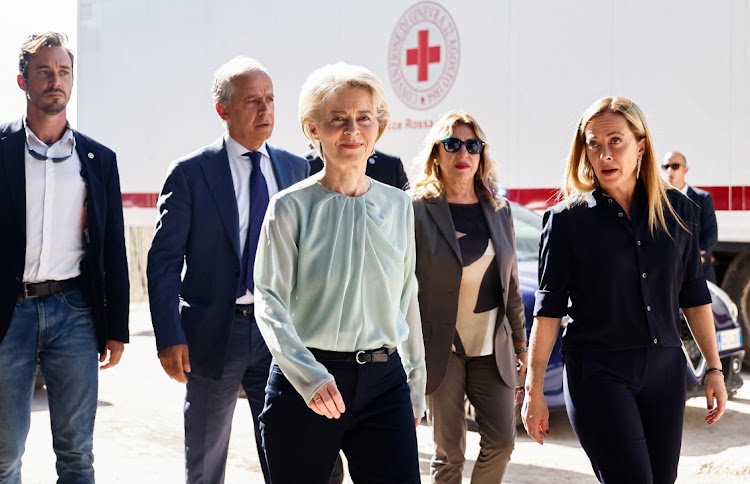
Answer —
(336, 273)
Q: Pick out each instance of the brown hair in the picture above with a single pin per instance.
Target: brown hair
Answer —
(430, 184)
(36, 42)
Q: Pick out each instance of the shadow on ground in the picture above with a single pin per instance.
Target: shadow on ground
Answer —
(39, 401)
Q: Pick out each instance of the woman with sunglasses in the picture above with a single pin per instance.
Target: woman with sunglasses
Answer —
(472, 314)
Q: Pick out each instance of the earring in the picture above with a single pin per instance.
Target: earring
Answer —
(437, 168)
(588, 172)
(638, 168)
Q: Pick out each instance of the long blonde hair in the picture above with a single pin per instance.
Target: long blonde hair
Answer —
(579, 175)
(430, 183)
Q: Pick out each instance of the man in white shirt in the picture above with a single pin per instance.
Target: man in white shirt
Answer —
(200, 266)
(64, 290)
(674, 170)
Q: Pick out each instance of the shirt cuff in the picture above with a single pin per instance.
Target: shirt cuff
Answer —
(694, 293)
(550, 304)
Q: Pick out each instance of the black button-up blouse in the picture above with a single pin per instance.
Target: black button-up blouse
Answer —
(621, 286)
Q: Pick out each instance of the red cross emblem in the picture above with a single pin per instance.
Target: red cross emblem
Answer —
(423, 55)
(425, 37)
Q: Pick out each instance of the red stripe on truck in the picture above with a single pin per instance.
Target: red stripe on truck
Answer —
(139, 200)
(734, 198)
(533, 198)
(730, 198)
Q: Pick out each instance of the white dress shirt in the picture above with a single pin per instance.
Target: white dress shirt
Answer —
(55, 211)
(241, 169)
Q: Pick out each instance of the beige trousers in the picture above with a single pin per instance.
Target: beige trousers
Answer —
(478, 379)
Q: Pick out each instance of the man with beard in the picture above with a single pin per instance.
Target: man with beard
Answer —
(64, 290)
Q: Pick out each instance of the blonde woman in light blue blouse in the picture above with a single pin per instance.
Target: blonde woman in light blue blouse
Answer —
(335, 300)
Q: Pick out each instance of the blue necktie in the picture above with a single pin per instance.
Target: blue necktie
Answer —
(258, 206)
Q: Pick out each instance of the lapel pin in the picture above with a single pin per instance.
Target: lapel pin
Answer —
(91, 156)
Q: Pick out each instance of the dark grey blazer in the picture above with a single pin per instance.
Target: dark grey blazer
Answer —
(439, 271)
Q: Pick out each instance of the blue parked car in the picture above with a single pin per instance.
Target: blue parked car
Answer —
(528, 225)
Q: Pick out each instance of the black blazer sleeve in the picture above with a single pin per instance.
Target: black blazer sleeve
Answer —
(709, 232)
(116, 282)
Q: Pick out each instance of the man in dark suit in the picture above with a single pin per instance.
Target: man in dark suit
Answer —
(64, 291)
(674, 170)
(200, 266)
(380, 166)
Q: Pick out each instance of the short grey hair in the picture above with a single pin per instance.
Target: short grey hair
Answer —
(222, 84)
(324, 82)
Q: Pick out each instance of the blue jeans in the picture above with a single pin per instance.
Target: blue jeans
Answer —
(57, 334)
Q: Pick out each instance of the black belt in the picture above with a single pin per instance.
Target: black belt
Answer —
(244, 309)
(30, 290)
(369, 356)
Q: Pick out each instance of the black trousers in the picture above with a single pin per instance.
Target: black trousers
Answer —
(627, 407)
(376, 432)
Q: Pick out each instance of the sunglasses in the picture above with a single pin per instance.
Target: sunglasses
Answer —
(673, 166)
(453, 145)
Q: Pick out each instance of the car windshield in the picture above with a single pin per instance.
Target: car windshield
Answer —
(528, 225)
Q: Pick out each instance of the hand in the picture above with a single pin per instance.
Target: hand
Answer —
(715, 390)
(703, 257)
(522, 360)
(535, 417)
(327, 401)
(176, 362)
(416, 421)
(114, 351)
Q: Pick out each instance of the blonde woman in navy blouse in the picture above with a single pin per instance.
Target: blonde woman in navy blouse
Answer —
(620, 257)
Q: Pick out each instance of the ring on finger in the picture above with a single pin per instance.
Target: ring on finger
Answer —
(317, 399)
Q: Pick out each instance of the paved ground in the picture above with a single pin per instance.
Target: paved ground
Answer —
(139, 434)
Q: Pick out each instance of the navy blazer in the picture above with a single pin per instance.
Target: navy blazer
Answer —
(708, 233)
(104, 269)
(198, 228)
(380, 166)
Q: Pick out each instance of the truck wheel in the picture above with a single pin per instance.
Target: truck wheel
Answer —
(736, 284)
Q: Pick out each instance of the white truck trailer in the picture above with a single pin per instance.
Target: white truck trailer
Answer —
(525, 69)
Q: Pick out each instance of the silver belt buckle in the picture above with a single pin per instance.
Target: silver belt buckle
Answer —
(356, 357)
(26, 286)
